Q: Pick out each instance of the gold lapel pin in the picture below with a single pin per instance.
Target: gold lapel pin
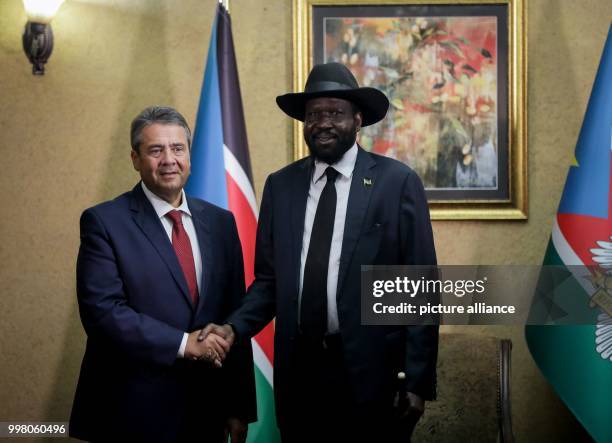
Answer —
(367, 182)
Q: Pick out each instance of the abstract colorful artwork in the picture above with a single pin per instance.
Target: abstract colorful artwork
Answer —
(455, 75)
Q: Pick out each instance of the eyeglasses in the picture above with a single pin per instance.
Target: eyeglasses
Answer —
(317, 116)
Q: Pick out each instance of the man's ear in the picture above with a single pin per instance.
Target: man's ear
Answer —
(358, 120)
(135, 159)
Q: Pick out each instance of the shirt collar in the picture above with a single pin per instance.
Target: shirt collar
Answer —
(161, 206)
(344, 166)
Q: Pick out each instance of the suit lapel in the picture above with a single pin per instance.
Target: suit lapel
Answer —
(146, 218)
(299, 198)
(202, 225)
(364, 178)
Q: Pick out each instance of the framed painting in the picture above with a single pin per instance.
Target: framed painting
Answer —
(455, 75)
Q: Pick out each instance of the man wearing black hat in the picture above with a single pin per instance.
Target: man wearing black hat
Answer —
(321, 219)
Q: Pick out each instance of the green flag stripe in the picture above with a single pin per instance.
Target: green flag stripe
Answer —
(566, 356)
(552, 257)
(264, 430)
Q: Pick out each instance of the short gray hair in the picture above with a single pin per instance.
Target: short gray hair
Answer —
(164, 115)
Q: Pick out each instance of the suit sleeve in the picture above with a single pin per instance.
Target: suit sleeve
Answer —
(259, 305)
(103, 304)
(418, 249)
(238, 367)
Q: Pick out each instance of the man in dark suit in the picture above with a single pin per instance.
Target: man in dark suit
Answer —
(154, 266)
(321, 219)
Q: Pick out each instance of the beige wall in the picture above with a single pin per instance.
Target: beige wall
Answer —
(64, 146)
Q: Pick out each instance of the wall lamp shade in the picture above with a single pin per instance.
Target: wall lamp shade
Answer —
(37, 35)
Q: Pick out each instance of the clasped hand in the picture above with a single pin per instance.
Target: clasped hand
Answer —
(211, 344)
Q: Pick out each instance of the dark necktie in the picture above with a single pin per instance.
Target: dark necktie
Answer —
(184, 253)
(313, 308)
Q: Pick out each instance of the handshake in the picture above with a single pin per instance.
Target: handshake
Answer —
(211, 344)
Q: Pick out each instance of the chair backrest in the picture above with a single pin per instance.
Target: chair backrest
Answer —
(473, 392)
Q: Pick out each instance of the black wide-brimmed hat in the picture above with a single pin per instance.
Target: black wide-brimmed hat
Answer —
(335, 80)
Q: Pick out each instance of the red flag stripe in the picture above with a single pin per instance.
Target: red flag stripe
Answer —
(238, 188)
(234, 168)
(246, 223)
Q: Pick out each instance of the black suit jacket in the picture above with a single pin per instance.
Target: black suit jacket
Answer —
(387, 223)
(135, 306)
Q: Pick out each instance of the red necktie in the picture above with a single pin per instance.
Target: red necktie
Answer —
(184, 253)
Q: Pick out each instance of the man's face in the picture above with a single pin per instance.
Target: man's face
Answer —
(163, 160)
(330, 127)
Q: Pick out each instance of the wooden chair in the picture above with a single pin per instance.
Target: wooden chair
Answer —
(473, 392)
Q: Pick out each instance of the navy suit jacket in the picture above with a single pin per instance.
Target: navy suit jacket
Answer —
(135, 306)
(387, 223)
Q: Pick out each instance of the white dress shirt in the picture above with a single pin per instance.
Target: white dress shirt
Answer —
(345, 168)
(162, 207)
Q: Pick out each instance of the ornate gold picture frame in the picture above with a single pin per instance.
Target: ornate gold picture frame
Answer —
(455, 74)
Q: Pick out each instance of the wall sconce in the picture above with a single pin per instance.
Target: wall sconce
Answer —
(37, 35)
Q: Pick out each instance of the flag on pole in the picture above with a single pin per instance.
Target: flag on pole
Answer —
(221, 174)
(577, 360)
